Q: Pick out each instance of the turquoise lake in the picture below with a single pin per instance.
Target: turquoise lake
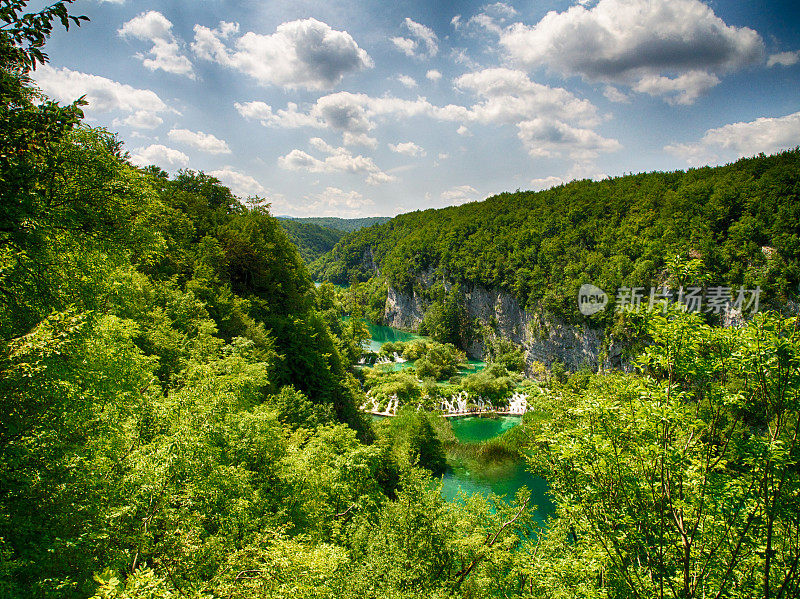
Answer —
(504, 484)
(474, 430)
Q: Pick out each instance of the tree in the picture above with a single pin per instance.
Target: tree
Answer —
(683, 479)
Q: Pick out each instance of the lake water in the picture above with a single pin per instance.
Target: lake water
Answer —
(505, 482)
(380, 334)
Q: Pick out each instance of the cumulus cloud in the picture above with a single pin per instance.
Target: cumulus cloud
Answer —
(493, 17)
(349, 113)
(160, 155)
(141, 119)
(579, 170)
(338, 160)
(407, 81)
(408, 148)
(359, 139)
(460, 194)
(546, 183)
(501, 8)
(433, 75)
(766, 134)
(154, 27)
(422, 43)
(504, 97)
(103, 95)
(509, 96)
(205, 142)
(554, 138)
(659, 45)
(615, 95)
(684, 89)
(487, 22)
(405, 45)
(336, 202)
(305, 54)
(784, 59)
(242, 184)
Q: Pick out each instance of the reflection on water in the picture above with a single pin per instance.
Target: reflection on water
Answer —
(473, 429)
(380, 335)
(504, 482)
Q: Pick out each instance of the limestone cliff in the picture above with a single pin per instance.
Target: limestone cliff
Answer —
(544, 338)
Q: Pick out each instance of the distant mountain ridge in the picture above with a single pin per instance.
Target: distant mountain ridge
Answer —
(348, 225)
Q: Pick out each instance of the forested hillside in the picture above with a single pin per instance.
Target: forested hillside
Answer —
(741, 221)
(347, 225)
(312, 240)
(179, 403)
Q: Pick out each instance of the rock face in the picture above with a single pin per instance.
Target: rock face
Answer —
(403, 311)
(545, 339)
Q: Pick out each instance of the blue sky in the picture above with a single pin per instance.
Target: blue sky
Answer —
(345, 108)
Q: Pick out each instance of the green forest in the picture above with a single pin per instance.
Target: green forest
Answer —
(179, 405)
(312, 240)
(346, 225)
(734, 225)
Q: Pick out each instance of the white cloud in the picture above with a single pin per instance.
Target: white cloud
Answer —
(433, 75)
(103, 95)
(460, 194)
(766, 134)
(615, 95)
(407, 81)
(784, 59)
(338, 160)
(509, 96)
(336, 202)
(487, 22)
(359, 139)
(505, 97)
(141, 119)
(501, 8)
(408, 148)
(259, 111)
(348, 112)
(160, 155)
(422, 43)
(242, 184)
(456, 22)
(546, 183)
(300, 54)
(554, 138)
(165, 54)
(205, 142)
(684, 89)
(493, 17)
(405, 45)
(658, 44)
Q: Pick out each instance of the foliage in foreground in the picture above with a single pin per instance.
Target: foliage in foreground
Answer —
(683, 481)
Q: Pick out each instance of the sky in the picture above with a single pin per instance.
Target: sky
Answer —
(366, 108)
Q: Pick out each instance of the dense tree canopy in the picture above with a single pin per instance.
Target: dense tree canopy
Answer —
(178, 407)
(740, 221)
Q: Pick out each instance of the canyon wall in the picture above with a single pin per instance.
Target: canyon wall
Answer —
(545, 339)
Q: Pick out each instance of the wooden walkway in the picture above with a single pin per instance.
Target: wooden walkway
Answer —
(504, 412)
